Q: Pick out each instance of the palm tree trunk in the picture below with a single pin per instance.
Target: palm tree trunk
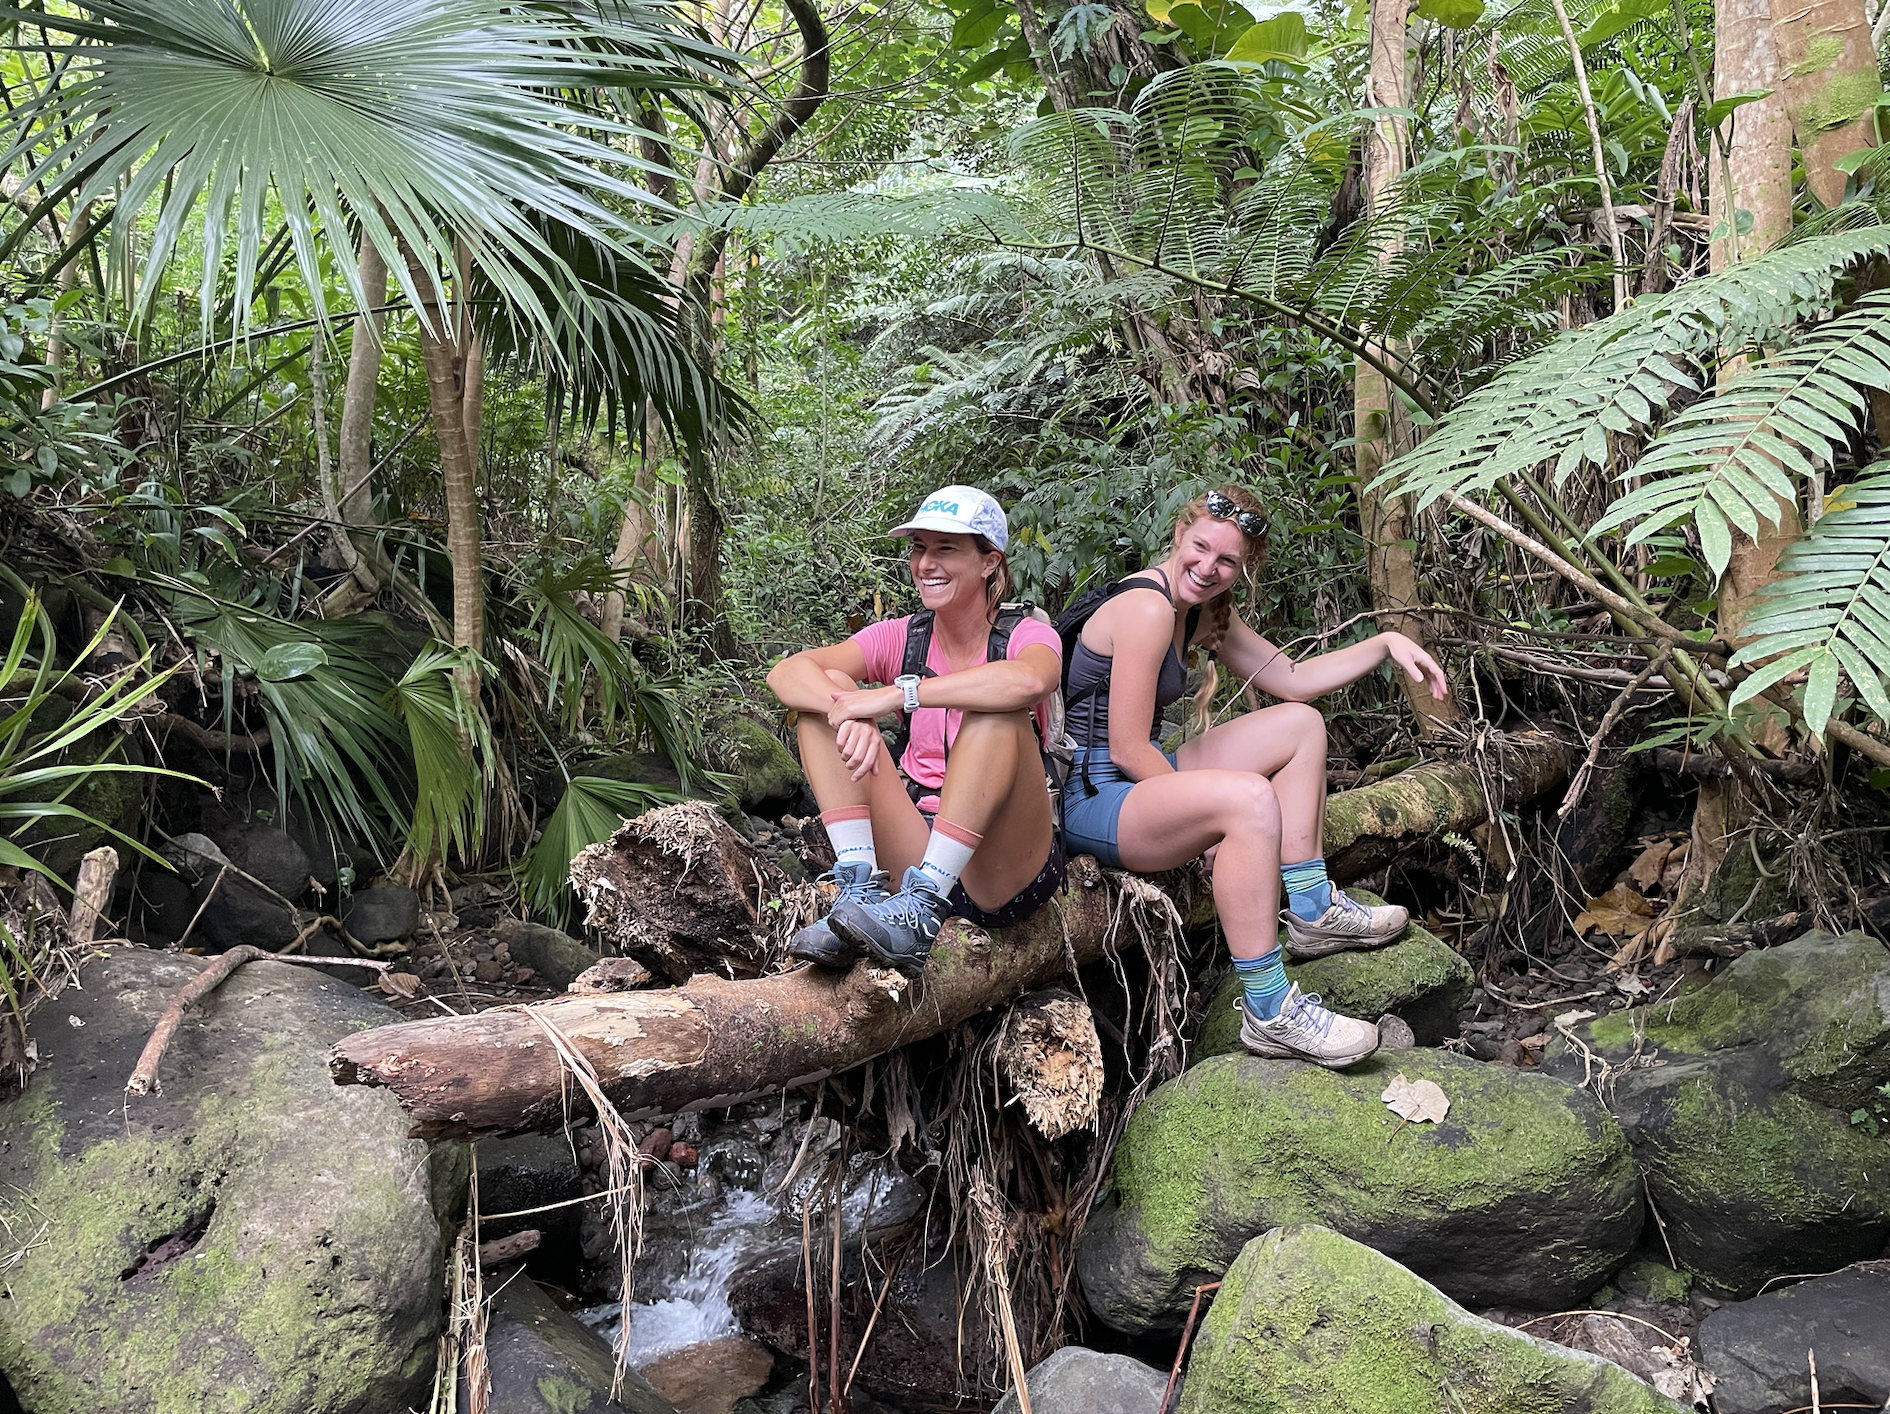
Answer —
(1385, 522)
(446, 366)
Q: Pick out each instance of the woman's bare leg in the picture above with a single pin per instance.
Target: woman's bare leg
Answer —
(994, 787)
(1168, 820)
(899, 830)
(1287, 745)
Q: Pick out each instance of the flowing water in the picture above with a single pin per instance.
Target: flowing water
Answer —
(742, 1229)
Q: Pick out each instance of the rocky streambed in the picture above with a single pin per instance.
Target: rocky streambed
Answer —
(1654, 1207)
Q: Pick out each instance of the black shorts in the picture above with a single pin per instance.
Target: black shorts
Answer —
(1046, 885)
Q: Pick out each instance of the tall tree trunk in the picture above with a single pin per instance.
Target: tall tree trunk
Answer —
(1745, 59)
(698, 287)
(446, 401)
(76, 231)
(631, 558)
(1758, 166)
(1385, 521)
(1831, 84)
(348, 498)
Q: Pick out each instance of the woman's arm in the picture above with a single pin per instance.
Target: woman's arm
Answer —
(1007, 686)
(801, 680)
(1141, 628)
(1245, 652)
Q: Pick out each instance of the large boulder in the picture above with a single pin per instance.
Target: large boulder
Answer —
(1308, 1320)
(764, 770)
(1755, 1350)
(258, 910)
(1418, 978)
(249, 1238)
(543, 1360)
(1737, 1099)
(1525, 1195)
(1078, 1381)
(557, 958)
(385, 913)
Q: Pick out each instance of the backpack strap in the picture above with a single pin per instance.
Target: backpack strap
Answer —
(918, 648)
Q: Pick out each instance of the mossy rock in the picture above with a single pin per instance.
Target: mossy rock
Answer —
(249, 1239)
(1737, 1099)
(1418, 978)
(1310, 1322)
(764, 769)
(543, 1360)
(1653, 1282)
(1525, 1194)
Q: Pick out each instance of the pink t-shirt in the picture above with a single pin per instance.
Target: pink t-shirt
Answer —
(884, 645)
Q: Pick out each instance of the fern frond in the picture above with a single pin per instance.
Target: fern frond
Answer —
(1828, 612)
(1728, 461)
(1619, 374)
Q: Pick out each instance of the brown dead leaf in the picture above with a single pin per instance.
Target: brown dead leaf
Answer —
(1621, 912)
(400, 984)
(1416, 1100)
(1673, 870)
(1647, 869)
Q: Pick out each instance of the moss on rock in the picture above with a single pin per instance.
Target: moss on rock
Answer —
(1525, 1194)
(764, 769)
(1309, 1320)
(1736, 1098)
(1418, 978)
(251, 1238)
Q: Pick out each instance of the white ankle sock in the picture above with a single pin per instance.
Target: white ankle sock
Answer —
(851, 831)
(948, 852)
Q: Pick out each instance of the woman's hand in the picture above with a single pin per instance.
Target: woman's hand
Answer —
(1421, 666)
(854, 716)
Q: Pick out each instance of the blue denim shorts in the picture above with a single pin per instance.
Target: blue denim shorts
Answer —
(1092, 804)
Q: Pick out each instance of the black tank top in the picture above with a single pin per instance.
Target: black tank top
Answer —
(1088, 723)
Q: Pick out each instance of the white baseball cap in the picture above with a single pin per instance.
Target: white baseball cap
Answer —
(960, 510)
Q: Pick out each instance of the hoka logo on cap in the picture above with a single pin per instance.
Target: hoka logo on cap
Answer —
(960, 510)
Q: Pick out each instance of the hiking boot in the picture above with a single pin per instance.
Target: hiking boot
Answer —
(1346, 923)
(1305, 1030)
(817, 942)
(898, 930)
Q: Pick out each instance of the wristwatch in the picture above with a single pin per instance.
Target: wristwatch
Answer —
(908, 685)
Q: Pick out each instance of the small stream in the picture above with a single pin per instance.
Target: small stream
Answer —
(731, 1235)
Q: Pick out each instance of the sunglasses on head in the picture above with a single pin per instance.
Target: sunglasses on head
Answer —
(1251, 523)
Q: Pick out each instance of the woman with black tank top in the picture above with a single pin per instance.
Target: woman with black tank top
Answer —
(1250, 793)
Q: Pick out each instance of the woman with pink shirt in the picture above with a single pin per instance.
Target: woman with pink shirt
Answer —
(974, 837)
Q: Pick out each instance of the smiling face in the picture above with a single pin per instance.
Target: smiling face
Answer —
(1208, 557)
(950, 571)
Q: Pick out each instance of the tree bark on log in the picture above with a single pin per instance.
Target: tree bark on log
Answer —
(712, 1042)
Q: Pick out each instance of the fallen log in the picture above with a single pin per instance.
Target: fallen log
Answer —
(713, 1041)
(1368, 828)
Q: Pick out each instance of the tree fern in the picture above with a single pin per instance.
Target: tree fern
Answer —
(1828, 613)
(1728, 461)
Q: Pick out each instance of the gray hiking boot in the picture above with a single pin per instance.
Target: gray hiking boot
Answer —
(817, 942)
(1346, 923)
(1306, 1030)
(898, 930)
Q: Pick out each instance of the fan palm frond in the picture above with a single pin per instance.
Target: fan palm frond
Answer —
(589, 813)
(453, 752)
(427, 124)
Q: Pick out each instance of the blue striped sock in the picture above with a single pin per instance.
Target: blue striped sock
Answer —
(1264, 980)
(1308, 890)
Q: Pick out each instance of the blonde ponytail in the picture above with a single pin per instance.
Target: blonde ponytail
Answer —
(1219, 613)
